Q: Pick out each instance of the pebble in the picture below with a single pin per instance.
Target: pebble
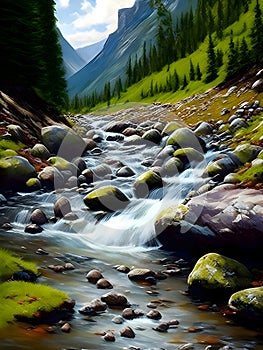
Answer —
(118, 320)
(127, 332)
(109, 336)
(154, 314)
(66, 328)
(94, 276)
(104, 284)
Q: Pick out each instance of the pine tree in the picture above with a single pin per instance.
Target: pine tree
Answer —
(185, 82)
(198, 72)
(233, 61)
(220, 19)
(244, 55)
(256, 35)
(192, 71)
(129, 73)
(211, 71)
(176, 81)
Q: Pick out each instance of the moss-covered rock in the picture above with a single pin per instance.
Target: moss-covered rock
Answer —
(171, 127)
(189, 155)
(247, 152)
(173, 166)
(248, 304)
(217, 272)
(40, 151)
(14, 173)
(62, 164)
(152, 135)
(147, 182)
(170, 216)
(184, 138)
(33, 184)
(108, 198)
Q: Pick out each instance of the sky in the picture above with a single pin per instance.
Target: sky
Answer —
(85, 22)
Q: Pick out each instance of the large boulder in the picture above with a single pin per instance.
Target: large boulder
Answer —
(40, 151)
(218, 272)
(247, 152)
(107, 198)
(14, 173)
(63, 141)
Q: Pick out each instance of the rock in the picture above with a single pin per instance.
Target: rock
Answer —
(40, 151)
(140, 274)
(219, 273)
(171, 127)
(237, 124)
(248, 305)
(108, 198)
(189, 155)
(94, 276)
(154, 315)
(118, 320)
(16, 132)
(162, 327)
(117, 127)
(128, 313)
(258, 85)
(66, 328)
(185, 138)
(109, 336)
(147, 182)
(101, 171)
(33, 228)
(123, 269)
(127, 332)
(125, 171)
(173, 167)
(153, 136)
(203, 129)
(38, 217)
(63, 141)
(132, 131)
(104, 284)
(33, 184)
(63, 165)
(94, 307)
(62, 207)
(51, 177)
(14, 173)
(166, 152)
(247, 152)
(114, 299)
(70, 216)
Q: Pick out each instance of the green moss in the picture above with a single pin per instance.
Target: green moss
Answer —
(10, 145)
(172, 214)
(25, 299)
(213, 271)
(11, 264)
(7, 153)
(248, 299)
(189, 153)
(254, 174)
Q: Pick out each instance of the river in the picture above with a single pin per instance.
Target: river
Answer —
(116, 239)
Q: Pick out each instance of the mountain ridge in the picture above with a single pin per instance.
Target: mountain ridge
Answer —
(135, 25)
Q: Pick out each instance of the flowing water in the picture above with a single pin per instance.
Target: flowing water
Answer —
(116, 239)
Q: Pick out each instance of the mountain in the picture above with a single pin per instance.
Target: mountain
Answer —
(72, 61)
(135, 25)
(90, 51)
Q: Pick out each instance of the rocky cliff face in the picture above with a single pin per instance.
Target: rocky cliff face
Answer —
(135, 25)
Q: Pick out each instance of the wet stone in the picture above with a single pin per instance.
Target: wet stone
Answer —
(33, 228)
(66, 328)
(154, 314)
(123, 268)
(127, 332)
(118, 320)
(109, 336)
(162, 327)
(93, 276)
(104, 284)
(114, 299)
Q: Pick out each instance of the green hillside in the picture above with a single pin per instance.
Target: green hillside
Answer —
(143, 91)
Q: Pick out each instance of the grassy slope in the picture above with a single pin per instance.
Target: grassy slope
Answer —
(182, 67)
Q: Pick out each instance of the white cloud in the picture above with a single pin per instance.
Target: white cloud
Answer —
(104, 12)
(80, 39)
(85, 5)
(63, 3)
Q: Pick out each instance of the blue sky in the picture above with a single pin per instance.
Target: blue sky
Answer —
(84, 22)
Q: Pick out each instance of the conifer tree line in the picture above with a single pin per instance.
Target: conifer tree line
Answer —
(178, 38)
(31, 56)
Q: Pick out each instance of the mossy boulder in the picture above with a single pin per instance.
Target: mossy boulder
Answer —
(153, 136)
(147, 182)
(184, 138)
(218, 272)
(253, 175)
(248, 305)
(173, 166)
(204, 129)
(189, 155)
(14, 173)
(63, 141)
(108, 198)
(170, 216)
(40, 151)
(247, 152)
(33, 184)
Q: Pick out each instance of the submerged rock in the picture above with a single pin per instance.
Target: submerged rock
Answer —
(108, 198)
